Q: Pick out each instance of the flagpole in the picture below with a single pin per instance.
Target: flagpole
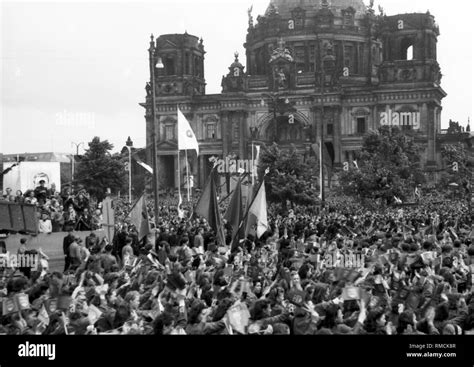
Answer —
(321, 150)
(187, 174)
(179, 170)
(179, 176)
(252, 171)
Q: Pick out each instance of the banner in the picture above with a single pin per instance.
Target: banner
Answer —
(27, 175)
(16, 217)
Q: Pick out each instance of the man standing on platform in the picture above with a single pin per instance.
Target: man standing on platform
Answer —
(66, 243)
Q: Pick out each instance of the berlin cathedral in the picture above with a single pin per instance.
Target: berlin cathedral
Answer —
(314, 69)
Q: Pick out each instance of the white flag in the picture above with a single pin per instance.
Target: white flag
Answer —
(186, 137)
(143, 164)
(180, 211)
(257, 148)
(257, 215)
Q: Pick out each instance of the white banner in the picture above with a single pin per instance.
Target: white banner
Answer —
(27, 175)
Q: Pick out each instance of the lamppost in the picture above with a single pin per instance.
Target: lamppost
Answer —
(77, 145)
(327, 62)
(321, 141)
(129, 145)
(159, 65)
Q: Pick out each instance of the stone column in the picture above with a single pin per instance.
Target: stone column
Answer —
(431, 134)
(245, 131)
(424, 118)
(226, 126)
(202, 174)
(337, 135)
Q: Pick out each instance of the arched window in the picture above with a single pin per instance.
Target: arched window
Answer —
(361, 125)
(293, 133)
(169, 132)
(406, 49)
(187, 63)
(197, 67)
(211, 131)
(410, 53)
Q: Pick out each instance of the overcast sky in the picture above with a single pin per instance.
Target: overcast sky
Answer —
(74, 70)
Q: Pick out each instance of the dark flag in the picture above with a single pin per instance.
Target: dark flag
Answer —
(234, 213)
(208, 208)
(327, 161)
(139, 217)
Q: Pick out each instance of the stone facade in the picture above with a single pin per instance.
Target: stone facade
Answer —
(302, 58)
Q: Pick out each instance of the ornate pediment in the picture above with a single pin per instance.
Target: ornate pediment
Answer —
(167, 145)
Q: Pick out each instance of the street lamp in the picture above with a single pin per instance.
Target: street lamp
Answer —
(77, 145)
(327, 62)
(158, 64)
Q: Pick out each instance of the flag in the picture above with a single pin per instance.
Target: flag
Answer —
(186, 137)
(257, 148)
(180, 211)
(234, 212)
(108, 221)
(255, 162)
(327, 161)
(22, 301)
(208, 208)
(9, 306)
(144, 165)
(43, 315)
(249, 196)
(257, 213)
(139, 217)
(238, 317)
(93, 314)
(346, 231)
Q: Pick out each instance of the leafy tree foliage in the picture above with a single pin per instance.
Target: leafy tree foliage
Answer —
(290, 177)
(388, 165)
(459, 167)
(99, 170)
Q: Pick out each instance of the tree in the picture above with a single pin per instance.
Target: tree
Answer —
(98, 170)
(388, 165)
(458, 166)
(290, 177)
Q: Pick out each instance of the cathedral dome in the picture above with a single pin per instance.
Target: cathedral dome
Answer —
(284, 7)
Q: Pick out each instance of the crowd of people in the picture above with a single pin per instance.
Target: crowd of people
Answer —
(344, 270)
(59, 211)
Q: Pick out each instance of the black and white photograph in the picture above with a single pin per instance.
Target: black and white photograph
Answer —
(237, 167)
